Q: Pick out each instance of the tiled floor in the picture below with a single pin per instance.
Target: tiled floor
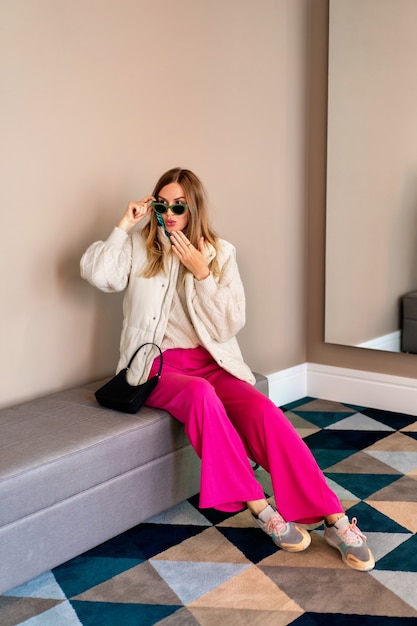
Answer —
(192, 567)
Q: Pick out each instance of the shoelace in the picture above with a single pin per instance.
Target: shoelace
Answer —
(276, 525)
(352, 534)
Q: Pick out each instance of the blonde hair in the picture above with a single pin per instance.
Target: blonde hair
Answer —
(198, 223)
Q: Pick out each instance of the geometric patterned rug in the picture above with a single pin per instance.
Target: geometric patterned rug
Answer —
(189, 567)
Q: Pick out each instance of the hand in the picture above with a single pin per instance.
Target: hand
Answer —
(194, 260)
(135, 212)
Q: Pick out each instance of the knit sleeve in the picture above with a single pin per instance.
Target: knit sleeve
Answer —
(219, 303)
(106, 264)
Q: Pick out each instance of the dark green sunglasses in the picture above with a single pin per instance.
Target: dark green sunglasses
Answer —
(178, 209)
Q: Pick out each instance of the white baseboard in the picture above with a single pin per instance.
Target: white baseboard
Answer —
(288, 385)
(369, 389)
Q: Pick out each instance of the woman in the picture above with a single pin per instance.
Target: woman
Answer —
(184, 292)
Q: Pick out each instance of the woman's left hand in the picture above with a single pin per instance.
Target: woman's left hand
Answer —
(194, 260)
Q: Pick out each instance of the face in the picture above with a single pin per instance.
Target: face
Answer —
(173, 194)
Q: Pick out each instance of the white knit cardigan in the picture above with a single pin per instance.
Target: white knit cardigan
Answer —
(216, 305)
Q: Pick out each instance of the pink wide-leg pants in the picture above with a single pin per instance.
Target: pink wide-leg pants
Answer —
(228, 420)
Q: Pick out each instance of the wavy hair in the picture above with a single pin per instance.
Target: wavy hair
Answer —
(198, 222)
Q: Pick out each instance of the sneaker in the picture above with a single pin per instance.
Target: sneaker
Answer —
(285, 535)
(351, 543)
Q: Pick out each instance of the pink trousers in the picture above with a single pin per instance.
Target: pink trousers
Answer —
(228, 420)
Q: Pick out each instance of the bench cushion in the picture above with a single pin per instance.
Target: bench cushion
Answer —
(44, 442)
(61, 445)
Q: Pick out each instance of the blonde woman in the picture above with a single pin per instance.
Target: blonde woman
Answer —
(184, 292)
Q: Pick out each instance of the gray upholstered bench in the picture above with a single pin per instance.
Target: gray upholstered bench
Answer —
(73, 475)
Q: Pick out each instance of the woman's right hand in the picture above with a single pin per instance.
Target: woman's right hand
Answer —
(135, 212)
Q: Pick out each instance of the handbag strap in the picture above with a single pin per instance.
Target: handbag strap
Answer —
(160, 356)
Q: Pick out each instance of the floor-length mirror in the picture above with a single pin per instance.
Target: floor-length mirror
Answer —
(371, 203)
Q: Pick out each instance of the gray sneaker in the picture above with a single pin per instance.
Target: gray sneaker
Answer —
(351, 543)
(286, 535)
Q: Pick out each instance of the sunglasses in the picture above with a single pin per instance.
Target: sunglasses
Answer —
(161, 208)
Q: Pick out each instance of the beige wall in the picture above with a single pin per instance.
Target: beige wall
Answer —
(98, 98)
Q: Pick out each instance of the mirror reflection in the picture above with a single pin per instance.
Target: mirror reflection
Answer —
(371, 213)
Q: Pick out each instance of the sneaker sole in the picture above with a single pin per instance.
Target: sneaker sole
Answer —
(298, 547)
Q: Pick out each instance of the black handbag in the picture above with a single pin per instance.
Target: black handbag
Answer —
(117, 394)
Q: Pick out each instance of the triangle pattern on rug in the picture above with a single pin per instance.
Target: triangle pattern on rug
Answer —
(342, 493)
(362, 463)
(385, 543)
(359, 422)
(139, 585)
(192, 580)
(250, 589)
(363, 485)
(83, 572)
(183, 513)
(322, 419)
(210, 546)
(402, 558)
(390, 418)
(404, 462)
(44, 586)
(143, 614)
(63, 613)
(404, 585)
(369, 593)
(237, 617)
